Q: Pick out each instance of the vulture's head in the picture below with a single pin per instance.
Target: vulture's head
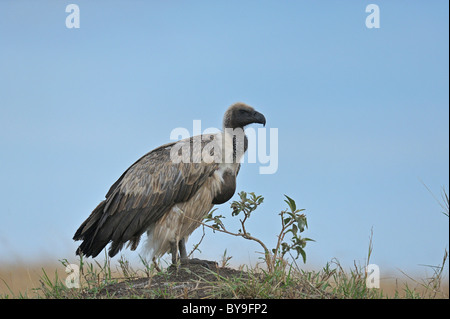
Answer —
(240, 115)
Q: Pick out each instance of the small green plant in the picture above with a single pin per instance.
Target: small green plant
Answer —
(51, 289)
(293, 221)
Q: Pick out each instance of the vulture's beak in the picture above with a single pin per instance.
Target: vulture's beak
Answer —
(259, 118)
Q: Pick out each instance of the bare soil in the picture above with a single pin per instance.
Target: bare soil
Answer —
(186, 281)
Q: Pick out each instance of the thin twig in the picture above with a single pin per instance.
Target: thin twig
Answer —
(244, 234)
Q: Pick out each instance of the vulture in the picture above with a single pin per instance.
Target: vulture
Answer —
(168, 191)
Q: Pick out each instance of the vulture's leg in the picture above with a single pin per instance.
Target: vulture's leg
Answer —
(182, 249)
(185, 260)
(174, 252)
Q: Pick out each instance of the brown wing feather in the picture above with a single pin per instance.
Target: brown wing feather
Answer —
(139, 198)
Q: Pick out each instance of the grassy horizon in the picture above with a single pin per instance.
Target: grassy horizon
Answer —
(47, 280)
(278, 275)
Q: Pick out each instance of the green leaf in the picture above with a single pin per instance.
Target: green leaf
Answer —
(294, 229)
(291, 203)
(302, 252)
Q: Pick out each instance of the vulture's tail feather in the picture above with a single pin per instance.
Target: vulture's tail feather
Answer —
(92, 245)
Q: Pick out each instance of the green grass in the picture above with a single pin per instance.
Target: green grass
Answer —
(282, 277)
(287, 280)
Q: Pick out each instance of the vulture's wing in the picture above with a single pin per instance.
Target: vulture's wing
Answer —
(140, 197)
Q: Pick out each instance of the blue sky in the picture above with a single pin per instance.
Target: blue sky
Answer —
(362, 117)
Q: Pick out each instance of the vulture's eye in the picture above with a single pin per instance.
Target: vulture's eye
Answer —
(242, 111)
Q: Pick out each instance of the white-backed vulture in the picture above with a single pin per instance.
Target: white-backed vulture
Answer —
(169, 190)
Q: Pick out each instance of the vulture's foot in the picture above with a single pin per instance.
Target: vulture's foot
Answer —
(186, 262)
(195, 261)
(183, 258)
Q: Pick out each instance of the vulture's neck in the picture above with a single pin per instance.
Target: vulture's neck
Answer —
(240, 141)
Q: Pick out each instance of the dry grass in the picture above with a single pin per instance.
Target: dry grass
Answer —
(19, 280)
(123, 281)
(283, 280)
